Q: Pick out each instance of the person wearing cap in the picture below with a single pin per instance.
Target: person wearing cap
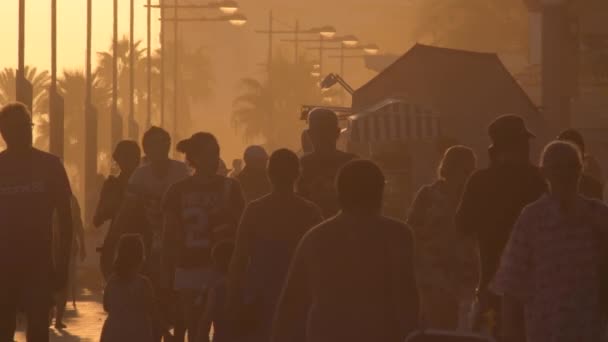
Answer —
(127, 156)
(267, 236)
(320, 167)
(253, 178)
(589, 186)
(199, 211)
(494, 197)
(352, 278)
(33, 187)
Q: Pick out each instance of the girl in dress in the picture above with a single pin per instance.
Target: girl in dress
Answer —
(128, 297)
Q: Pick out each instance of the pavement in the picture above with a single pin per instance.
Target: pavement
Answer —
(85, 320)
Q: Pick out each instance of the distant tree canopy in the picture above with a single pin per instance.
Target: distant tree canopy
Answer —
(479, 25)
(269, 110)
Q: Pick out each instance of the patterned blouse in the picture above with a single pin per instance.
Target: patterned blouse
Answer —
(552, 264)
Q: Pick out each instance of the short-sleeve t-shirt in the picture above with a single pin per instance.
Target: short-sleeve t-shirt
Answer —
(149, 189)
(31, 188)
(317, 182)
(207, 211)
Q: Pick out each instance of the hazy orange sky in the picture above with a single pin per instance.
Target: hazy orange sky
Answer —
(71, 30)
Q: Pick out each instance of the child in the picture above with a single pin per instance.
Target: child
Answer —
(128, 297)
(214, 312)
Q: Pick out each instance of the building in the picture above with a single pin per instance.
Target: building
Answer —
(466, 89)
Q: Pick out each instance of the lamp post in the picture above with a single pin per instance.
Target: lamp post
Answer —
(90, 125)
(56, 115)
(132, 125)
(227, 7)
(24, 91)
(149, 65)
(116, 119)
(559, 74)
(297, 31)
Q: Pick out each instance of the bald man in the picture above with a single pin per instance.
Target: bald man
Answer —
(352, 277)
(319, 168)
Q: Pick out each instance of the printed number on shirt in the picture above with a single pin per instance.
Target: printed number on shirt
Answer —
(196, 228)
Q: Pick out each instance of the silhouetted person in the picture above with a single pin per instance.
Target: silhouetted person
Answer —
(549, 275)
(199, 211)
(352, 278)
(33, 186)
(268, 234)
(494, 197)
(129, 297)
(79, 253)
(127, 156)
(446, 260)
(589, 186)
(237, 167)
(215, 307)
(141, 210)
(319, 168)
(253, 178)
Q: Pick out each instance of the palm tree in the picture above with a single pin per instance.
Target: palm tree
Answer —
(104, 71)
(71, 85)
(270, 110)
(40, 82)
(195, 83)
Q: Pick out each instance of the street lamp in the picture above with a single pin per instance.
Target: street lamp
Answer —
(315, 73)
(371, 49)
(237, 20)
(350, 41)
(327, 32)
(228, 7)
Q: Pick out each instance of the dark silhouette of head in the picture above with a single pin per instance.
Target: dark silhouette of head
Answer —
(283, 169)
(156, 143)
(562, 164)
(127, 155)
(237, 165)
(129, 255)
(202, 152)
(510, 140)
(221, 256)
(573, 136)
(16, 126)
(360, 185)
(457, 164)
(255, 157)
(323, 129)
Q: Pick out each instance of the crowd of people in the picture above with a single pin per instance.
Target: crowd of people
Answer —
(296, 248)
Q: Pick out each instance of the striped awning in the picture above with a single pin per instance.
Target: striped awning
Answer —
(394, 121)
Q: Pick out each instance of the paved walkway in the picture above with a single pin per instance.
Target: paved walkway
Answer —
(84, 323)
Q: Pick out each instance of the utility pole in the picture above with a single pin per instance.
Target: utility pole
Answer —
(270, 80)
(149, 65)
(175, 70)
(162, 64)
(90, 127)
(24, 91)
(56, 106)
(132, 123)
(116, 120)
